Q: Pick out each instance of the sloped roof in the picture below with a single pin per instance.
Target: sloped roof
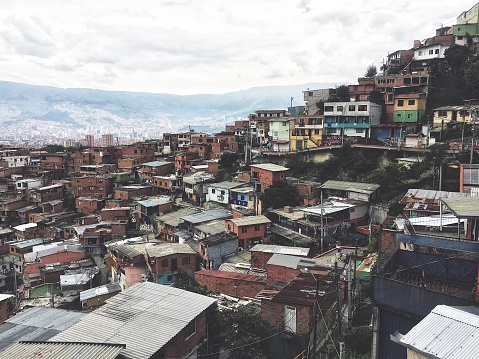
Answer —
(446, 332)
(145, 317)
(271, 248)
(101, 290)
(167, 249)
(366, 188)
(206, 216)
(250, 220)
(49, 350)
(463, 207)
(269, 167)
(37, 323)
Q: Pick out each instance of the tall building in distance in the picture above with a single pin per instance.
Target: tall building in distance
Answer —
(90, 140)
(107, 140)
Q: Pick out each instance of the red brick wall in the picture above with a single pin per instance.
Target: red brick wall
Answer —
(273, 313)
(115, 214)
(250, 232)
(159, 269)
(281, 274)
(259, 259)
(179, 346)
(127, 163)
(91, 186)
(388, 241)
(3, 311)
(88, 206)
(233, 284)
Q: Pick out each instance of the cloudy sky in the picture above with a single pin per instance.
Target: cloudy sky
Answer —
(207, 46)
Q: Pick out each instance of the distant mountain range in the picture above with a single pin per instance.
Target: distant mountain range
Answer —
(36, 108)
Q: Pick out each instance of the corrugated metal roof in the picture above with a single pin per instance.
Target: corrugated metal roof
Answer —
(269, 167)
(367, 188)
(291, 235)
(226, 184)
(28, 243)
(463, 207)
(213, 227)
(155, 164)
(207, 216)
(296, 262)
(247, 277)
(271, 248)
(250, 220)
(5, 297)
(145, 317)
(37, 323)
(23, 227)
(46, 350)
(174, 218)
(101, 290)
(447, 332)
(233, 268)
(167, 249)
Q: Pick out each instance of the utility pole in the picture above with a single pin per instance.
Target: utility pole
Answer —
(322, 223)
(340, 325)
(350, 295)
(315, 311)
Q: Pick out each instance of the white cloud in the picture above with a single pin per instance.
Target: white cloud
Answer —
(207, 46)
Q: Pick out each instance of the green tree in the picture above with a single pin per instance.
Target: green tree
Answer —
(184, 281)
(389, 177)
(471, 75)
(377, 97)
(229, 159)
(320, 106)
(456, 56)
(371, 71)
(242, 335)
(280, 194)
(342, 94)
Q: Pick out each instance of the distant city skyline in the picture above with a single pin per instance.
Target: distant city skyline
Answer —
(188, 47)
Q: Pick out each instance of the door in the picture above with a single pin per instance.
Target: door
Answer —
(290, 318)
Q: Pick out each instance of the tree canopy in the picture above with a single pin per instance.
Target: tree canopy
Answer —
(342, 94)
(371, 71)
(280, 194)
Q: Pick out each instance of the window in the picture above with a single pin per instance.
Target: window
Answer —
(244, 229)
(190, 329)
(185, 260)
(339, 108)
(409, 115)
(389, 97)
(362, 107)
(229, 227)
(436, 51)
(352, 107)
(284, 123)
(164, 263)
(411, 102)
(328, 109)
(256, 227)
(169, 278)
(420, 53)
(213, 190)
(400, 103)
(442, 113)
(431, 52)
(390, 81)
(316, 131)
(359, 130)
